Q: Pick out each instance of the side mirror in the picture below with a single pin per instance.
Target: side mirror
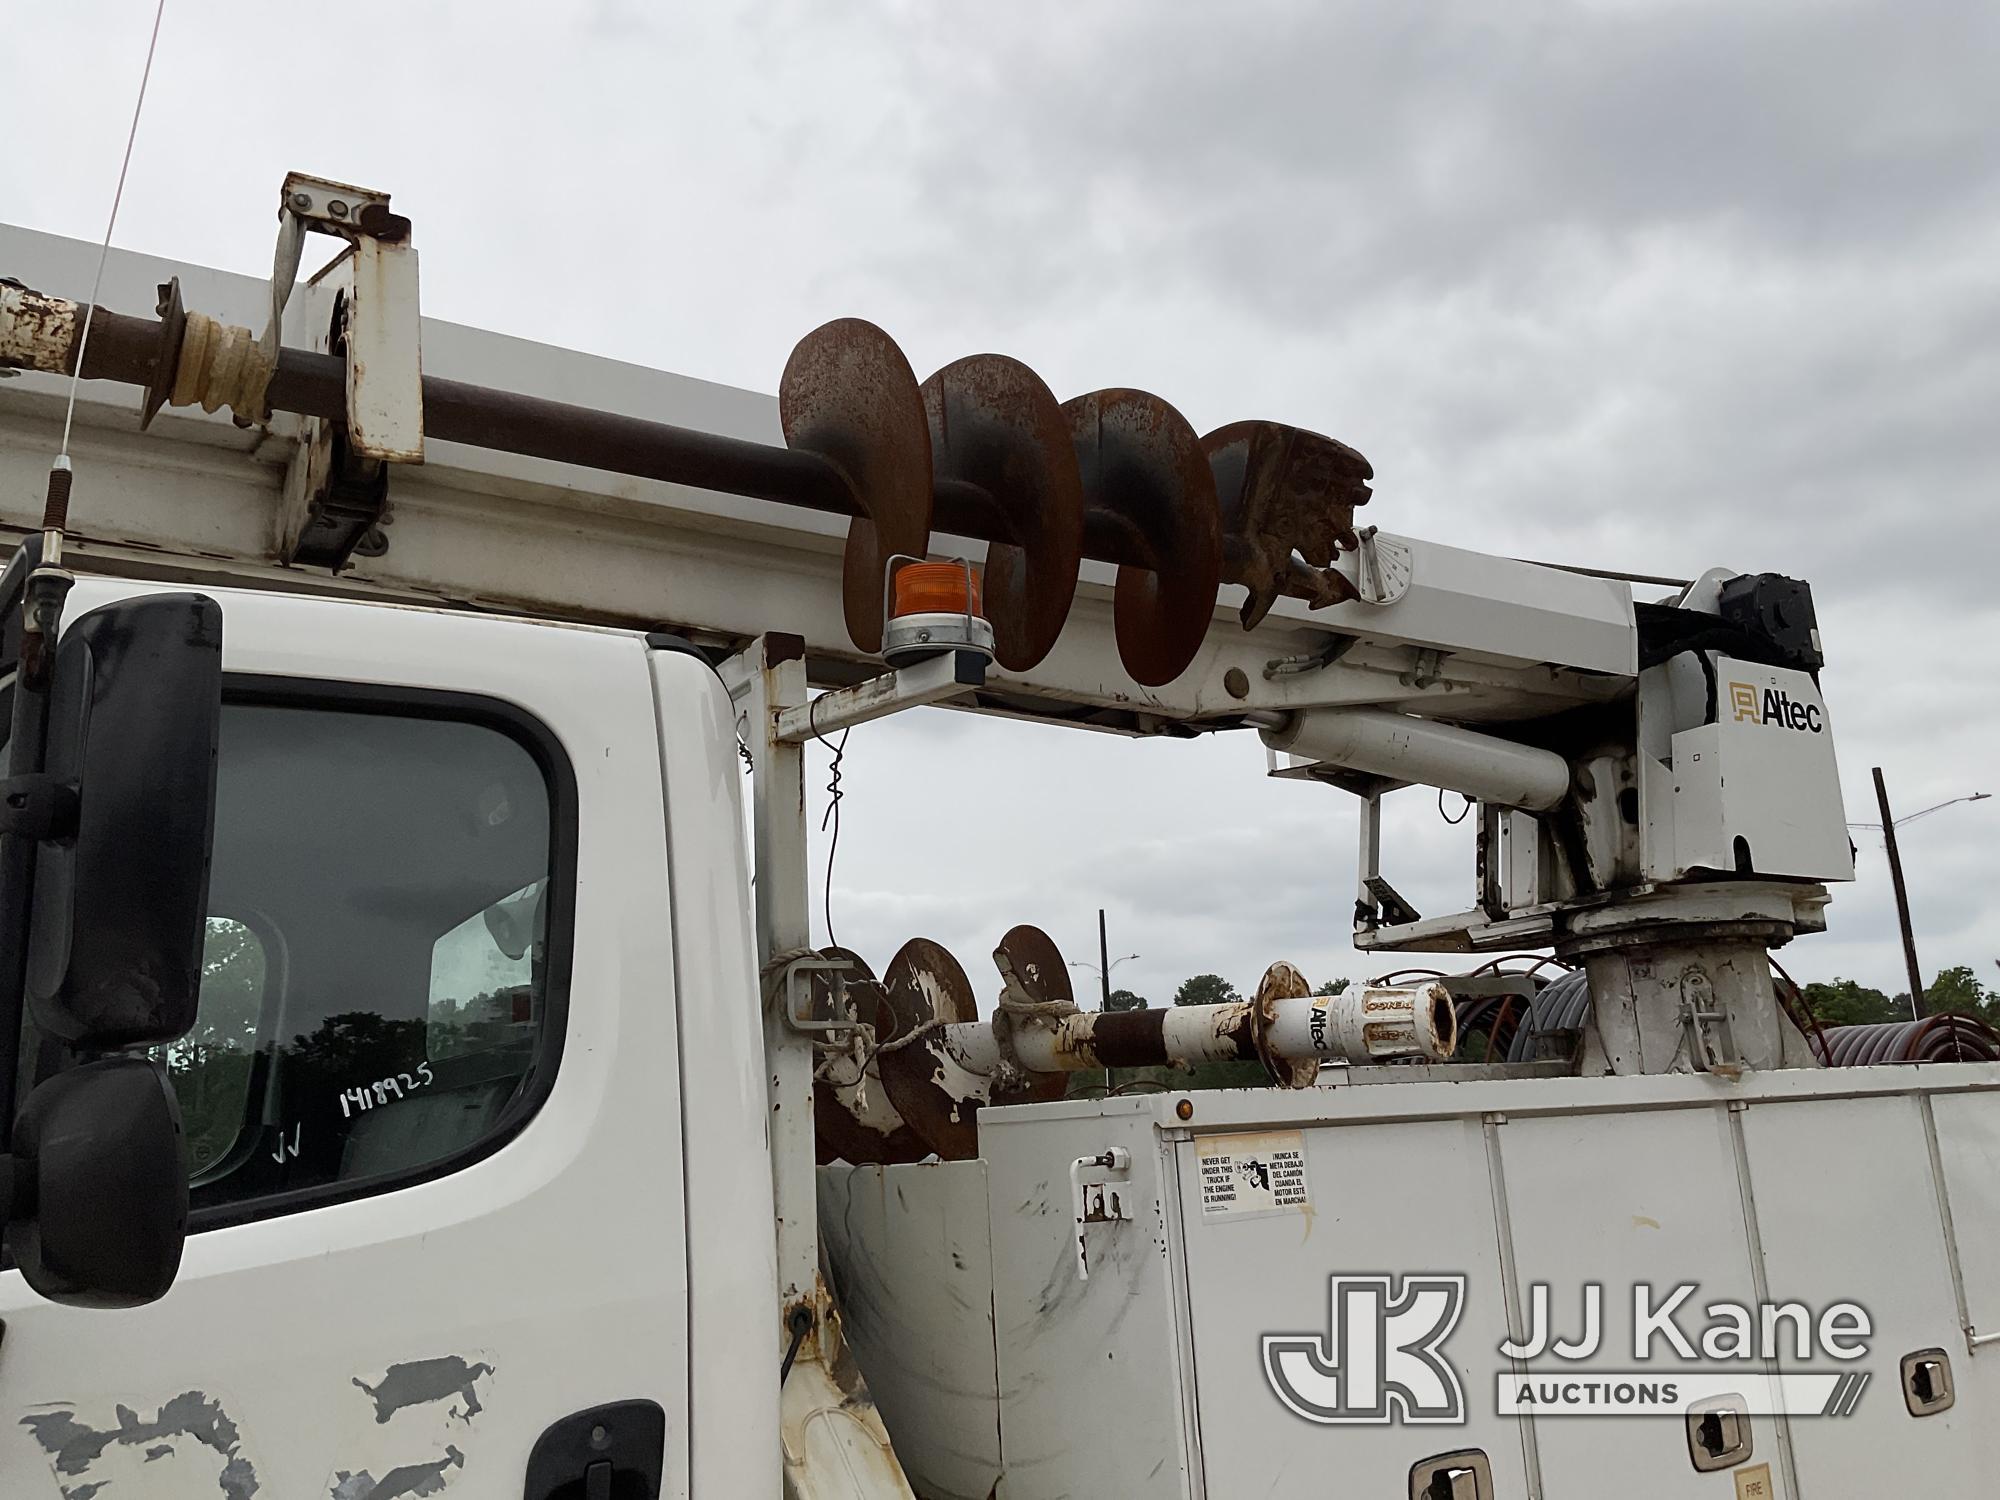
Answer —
(106, 821)
(114, 952)
(99, 1197)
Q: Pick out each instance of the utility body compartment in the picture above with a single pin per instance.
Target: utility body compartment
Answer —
(1213, 1243)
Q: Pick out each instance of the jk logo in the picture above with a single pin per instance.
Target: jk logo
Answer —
(1379, 1360)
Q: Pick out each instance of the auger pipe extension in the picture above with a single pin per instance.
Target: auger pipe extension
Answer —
(39, 332)
(1363, 1024)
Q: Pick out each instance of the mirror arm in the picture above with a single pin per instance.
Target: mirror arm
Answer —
(38, 807)
(42, 599)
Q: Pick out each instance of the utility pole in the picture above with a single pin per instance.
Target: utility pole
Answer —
(1902, 897)
(1105, 957)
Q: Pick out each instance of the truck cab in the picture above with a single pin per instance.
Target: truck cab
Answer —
(474, 1104)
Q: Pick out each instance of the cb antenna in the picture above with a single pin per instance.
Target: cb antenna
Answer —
(55, 509)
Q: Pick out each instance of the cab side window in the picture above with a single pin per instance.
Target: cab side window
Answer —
(386, 957)
(210, 1066)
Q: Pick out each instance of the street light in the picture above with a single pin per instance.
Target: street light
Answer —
(1103, 975)
(1935, 807)
(1102, 969)
(1887, 828)
(1104, 965)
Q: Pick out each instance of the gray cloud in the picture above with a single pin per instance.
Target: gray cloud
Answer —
(1664, 286)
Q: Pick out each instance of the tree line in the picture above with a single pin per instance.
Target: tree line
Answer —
(1848, 1002)
(1204, 989)
(1837, 1002)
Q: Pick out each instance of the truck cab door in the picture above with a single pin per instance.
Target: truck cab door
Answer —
(430, 1102)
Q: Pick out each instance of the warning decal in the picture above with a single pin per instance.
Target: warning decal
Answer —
(1252, 1174)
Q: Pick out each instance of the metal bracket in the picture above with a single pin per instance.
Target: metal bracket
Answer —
(37, 807)
(385, 381)
(1711, 1042)
(1385, 922)
(336, 502)
(1384, 567)
(798, 996)
(1425, 670)
(1393, 909)
(946, 675)
(1095, 1196)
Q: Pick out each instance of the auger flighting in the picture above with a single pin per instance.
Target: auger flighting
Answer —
(908, 1063)
(1116, 474)
(982, 449)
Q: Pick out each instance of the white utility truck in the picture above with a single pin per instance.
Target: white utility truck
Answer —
(414, 1083)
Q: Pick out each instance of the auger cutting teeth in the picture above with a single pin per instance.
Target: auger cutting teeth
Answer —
(1282, 491)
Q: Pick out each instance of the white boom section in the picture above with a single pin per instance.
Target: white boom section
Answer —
(1475, 637)
(1406, 749)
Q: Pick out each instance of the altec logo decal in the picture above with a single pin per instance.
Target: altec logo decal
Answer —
(1774, 706)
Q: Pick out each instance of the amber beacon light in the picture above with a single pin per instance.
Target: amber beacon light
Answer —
(933, 607)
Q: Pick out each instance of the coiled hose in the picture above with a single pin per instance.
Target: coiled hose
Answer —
(1562, 1007)
(1950, 1037)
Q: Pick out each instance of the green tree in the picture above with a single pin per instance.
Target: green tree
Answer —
(1959, 989)
(1125, 1000)
(1205, 989)
(1334, 987)
(1848, 1002)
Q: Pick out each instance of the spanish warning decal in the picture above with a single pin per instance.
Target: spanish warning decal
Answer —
(1242, 1175)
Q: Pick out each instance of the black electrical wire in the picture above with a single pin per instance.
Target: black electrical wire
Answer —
(802, 1322)
(1463, 813)
(834, 794)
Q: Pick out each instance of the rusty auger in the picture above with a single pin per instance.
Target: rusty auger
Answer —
(981, 450)
(909, 1064)
(1117, 475)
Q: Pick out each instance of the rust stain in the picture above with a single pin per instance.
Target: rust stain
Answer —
(995, 425)
(1149, 495)
(936, 1098)
(848, 394)
(853, 1118)
(1285, 491)
(1282, 981)
(37, 331)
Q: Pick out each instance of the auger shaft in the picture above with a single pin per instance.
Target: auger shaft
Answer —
(38, 332)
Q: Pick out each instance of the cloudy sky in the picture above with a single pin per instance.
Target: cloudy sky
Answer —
(1656, 285)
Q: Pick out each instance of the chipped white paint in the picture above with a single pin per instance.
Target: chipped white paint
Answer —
(416, 1429)
(184, 1446)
